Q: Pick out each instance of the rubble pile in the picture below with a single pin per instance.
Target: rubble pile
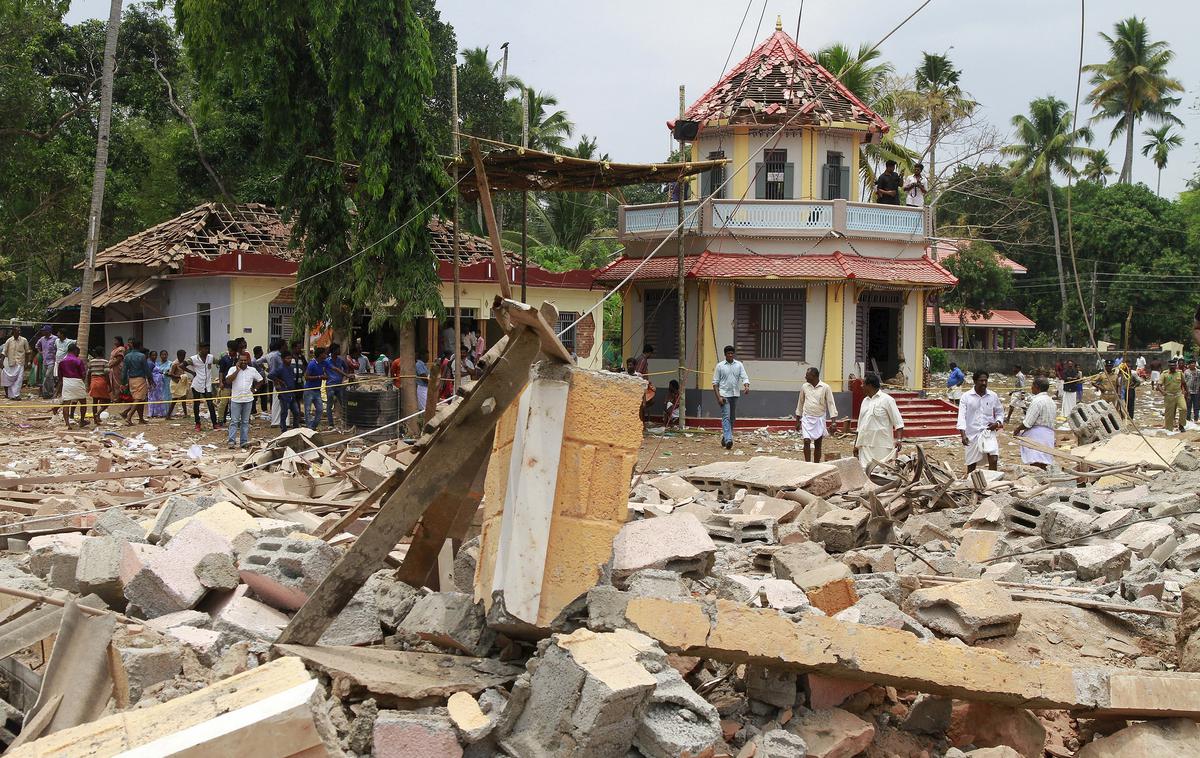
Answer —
(522, 591)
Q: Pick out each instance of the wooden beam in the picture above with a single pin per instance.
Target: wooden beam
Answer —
(90, 476)
(527, 315)
(489, 214)
(438, 468)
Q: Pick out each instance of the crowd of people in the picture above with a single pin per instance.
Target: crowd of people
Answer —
(290, 386)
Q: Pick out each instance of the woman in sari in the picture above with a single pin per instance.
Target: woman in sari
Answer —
(160, 387)
(116, 360)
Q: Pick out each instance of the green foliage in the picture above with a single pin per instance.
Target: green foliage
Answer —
(937, 359)
(982, 281)
(346, 65)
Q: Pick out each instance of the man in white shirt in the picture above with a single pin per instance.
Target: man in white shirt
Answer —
(813, 406)
(880, 425)
(242, 379)
(200, 366)
(17, 358)
(914, 188)
(1020, 378)
(1038, 424)
(1141, 362)
(980, 416)
(730, 381)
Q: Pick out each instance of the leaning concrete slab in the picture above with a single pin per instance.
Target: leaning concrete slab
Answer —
(730, 632)
(768, 475)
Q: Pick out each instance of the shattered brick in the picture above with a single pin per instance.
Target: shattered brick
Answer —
(971, 611)
(677, 542)
(452, 620)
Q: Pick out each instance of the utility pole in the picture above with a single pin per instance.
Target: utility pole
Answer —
(458, 363)
(1095, 266)
(98, 175)
(499, 208)
(682, 329)
(524, 194)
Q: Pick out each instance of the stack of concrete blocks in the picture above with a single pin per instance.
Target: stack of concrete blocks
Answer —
(557, 490)
(1093, 422)
(285, 571)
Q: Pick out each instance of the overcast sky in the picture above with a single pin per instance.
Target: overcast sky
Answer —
(616, 65)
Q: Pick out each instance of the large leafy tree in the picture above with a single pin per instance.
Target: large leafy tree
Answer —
(1046, 143)
(1158, 148)
(359, 77)
(1133, 84)
(983, 283)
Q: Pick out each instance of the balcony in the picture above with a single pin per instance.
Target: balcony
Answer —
(776, 218)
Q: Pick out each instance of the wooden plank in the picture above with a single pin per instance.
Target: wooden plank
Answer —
(527, 315)
(489, 214)
(438, 468)
(90, 476)
(368, 503)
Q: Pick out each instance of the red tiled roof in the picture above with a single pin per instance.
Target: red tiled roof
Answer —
(835, 267)
(941, 250)
(1003, 319)
(773, 82)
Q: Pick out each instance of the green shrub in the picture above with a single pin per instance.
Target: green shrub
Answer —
(937, 359)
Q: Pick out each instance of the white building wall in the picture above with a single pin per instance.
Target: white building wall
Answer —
(183, 296)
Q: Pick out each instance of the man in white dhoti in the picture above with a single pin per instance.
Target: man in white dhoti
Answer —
(814, 405)
(980, 416)
(17, 358)
(880, 427)
(1038, 424)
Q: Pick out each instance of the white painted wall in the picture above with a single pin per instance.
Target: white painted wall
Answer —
(179, 331)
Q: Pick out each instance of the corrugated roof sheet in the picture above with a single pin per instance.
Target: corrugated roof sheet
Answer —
(775, 81)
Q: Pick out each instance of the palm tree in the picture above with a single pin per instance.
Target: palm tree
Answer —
(1046, 143)
(548, 131)
(937, 98)
(866, 76)
(1161, 143)
(1098, 167)
(1133, 84)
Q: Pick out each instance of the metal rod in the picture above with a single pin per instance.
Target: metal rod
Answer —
(457, 310)
(680, 189)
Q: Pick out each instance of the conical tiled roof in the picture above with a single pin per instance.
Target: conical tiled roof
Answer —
(775, 81)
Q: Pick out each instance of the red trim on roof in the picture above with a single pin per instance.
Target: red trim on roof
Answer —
(485, 271)
(835, 267)
(943, 249)
(238, 264)
(1003, 319)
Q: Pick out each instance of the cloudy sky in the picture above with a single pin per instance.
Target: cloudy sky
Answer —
(616, 65)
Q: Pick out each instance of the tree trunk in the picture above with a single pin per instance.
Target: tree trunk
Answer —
(1127, 167)
(937, 307)
(1062, 279)
(1158, 184)
(406, 351)
(98, 176)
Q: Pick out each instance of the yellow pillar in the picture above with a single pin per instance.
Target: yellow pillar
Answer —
(741, 151)
(808, 151)
(694, 181)
(918, 371)
(627, 304)
(835, 321)
(708, 331)
(854, 177)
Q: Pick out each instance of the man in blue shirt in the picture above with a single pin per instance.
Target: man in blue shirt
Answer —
(284, 379)
(337, 372)
(314, 374)
(730, 381)
(955, 383)
(227, 361)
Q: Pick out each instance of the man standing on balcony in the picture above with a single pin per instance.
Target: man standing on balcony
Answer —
(812, 407)
(887, 186)
(980, 416)
(730, 381)
(914, 188)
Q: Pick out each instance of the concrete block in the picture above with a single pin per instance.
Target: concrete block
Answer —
(117, 523)
(1107, 560)
(284, 572)
(465, 562)
(740, 529)
(264, 527)
(771, 686)
(99, 569)
(841, 529)
(1068, 523)
(176, 508)
(780, 594)
(851, 472)
(167, 582)
(1145, 537)
(134, 557)
(393, 598)
(873, 560)
(768, 475)
(1093, 422)
(587, 695)
(217, 571)
(194, 619)
(989, 514)
(357, 623)
(208, 644)
(246, 618)
(224, 518)
(794, 560)
(877, 610)
(1007, 571)
(451, 620)
(971, 611)
(978, 545)
(714, 477)
(402, 734)
(676, 720)
(55, 558)
(676, 543)
(1187, 555)
(1143, 579)
(778, 743)
(606, 608)
(832, 733)
(656, 583)
(783, 511)
(1026, 517)
(1114, 518)
(147, 666)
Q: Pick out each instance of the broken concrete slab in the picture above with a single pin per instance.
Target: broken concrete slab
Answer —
(840, 529)
(55, 558)
(400, 678)
(285, 572)
(675, 487)
(1107, 560)
(851, 472)
(247, 618)
(117, 523)
(142, 667)
(779, 743)
(452, 620)
(877, 610)
(780, 594)
(1145, 537)
(768, 475)
(1169, 737)
(713, 477)
(400, 734)
(167, 582)
(971, 611)
(783, 511)
(176, 508)
(207, 644)
(223, 518)
(678, 542)
(676, 720)
(832, 733)
(978, 545)
(358, 623)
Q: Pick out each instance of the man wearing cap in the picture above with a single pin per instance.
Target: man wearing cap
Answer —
(914, 188)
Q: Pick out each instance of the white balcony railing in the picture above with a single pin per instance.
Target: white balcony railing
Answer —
(777, 218)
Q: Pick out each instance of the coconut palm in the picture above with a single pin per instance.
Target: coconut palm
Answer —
(1098, 168)
(1161, 143)
(866, 76)
(1046, 143)
(1133, 84)
(548, 129)
(937, 98)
